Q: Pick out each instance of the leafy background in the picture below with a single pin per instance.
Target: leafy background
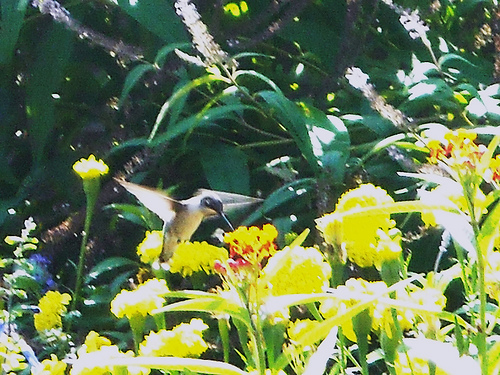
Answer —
(92, 77)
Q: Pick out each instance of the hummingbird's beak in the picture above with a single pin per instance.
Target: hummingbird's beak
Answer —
(223, 215)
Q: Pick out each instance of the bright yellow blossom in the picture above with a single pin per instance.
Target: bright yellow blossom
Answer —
(51, 366)
(192, 257)
(90, 168)
(141, 301)
(149, 250)
(95, 363)
(93, 342)
(357, 234)
(252, 244)
(52, 306)
(492, 275)
(298, 328)
(11, 359)
(294, 271)
(184, 340)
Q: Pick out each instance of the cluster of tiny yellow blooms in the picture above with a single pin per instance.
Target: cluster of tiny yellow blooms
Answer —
(149, 250)
(95, 351)
(358, 290)
(454, 193)
(252, 244)
(52, 306)
(294, 271)
(184, 340)
(296, 330)
(141, 301)
(358, 234)
(492, 275)
(190, 257)
(11, 359)
(90, 168)
(415, 366)
(52, 366)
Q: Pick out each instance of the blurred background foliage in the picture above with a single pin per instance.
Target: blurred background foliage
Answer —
(104, 77)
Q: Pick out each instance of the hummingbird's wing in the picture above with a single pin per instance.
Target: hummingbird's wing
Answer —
(231, 201)
(154, 200)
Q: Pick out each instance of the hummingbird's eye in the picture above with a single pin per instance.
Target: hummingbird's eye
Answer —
(212, 203)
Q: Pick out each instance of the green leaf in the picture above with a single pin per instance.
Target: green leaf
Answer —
(112, 264)
(158, 17)
(132, 78)
(226, 168)
(203, 366)
(293, 119)
(11, 20)
(330, 141)
(47, 72)
(203, 118)
(281, 196)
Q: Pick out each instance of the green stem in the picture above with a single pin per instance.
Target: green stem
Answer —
(91, 188)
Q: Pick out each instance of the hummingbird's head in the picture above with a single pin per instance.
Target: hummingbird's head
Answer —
(212, 203)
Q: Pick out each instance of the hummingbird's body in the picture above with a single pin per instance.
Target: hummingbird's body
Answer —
(182, 218)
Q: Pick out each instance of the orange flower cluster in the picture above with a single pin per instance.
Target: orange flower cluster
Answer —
(459, 149)
(251, 245)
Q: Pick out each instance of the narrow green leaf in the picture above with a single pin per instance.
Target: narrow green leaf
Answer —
(132, 78)
(226, 168)
(11, 20)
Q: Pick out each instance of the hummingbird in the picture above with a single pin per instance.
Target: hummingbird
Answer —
(181, 218)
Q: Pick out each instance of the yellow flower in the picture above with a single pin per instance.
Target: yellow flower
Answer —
(252, 244)
(11, 359)
(192, 257)
(354, 291)
(150, 248)
(93, 342)
(297, 329)
(388, 246)
(90, 168)
(294, 271)
(51, 366)
(141, 301)
(52, 306)
(357, 234)
(492, 275)
(184, 340)
(95, 363)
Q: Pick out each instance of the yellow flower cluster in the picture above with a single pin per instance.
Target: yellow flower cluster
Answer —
(192, 257)
(294, 271)
(298, 328)
(357, 291)
(94, 353)
(52, 306)
(492, 275)
(141, 301)
(52, 366)
(90, 168)
(252, 244)
(149, 250)
(359, 234)
(11, 359)
(96, 363)
(184, 340)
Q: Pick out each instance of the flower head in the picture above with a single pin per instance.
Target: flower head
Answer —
(184, 340)
(97, 363)
(52, 305)
(190, 257)
(357, 234)
(294, 271)
(141, 301)
(52, 366)
(149, 250)
(11, 359)
(252, 244)
(90, 168)
(93, 342)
